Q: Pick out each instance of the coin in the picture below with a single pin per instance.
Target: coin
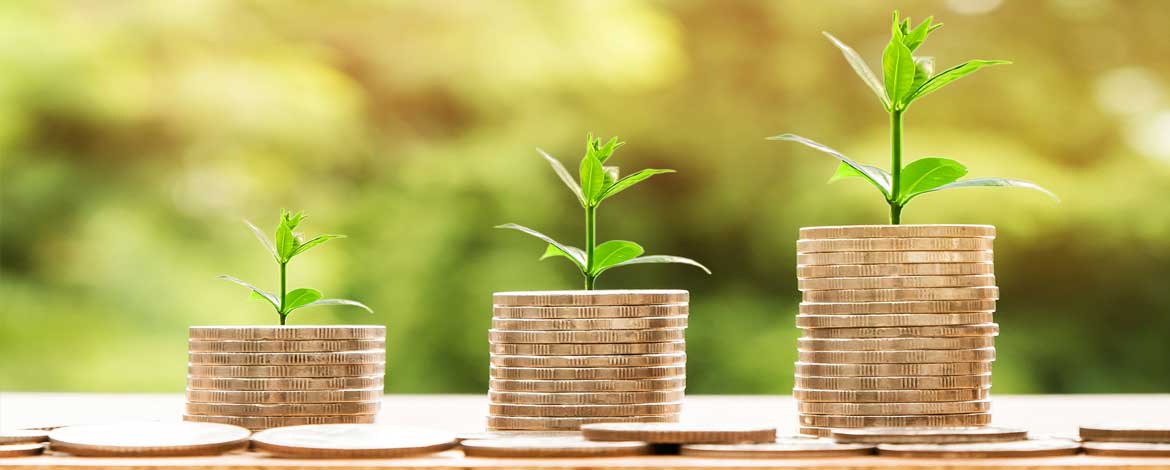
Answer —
(501, 385)
(894, 257)
(815, 431)
(287, 332)
(587, 398)
(587, 349)
(891, 320)
(891, 370)
(930, 382)
(1127, 449)
(329, 371)
(591, 312)
(842, 421)
(1159, 433)
(202, 345)
(590, 297)
(897, 231)
(888, 409)
(236, 359)
(265, 422)
(675, 433)
(1027, 448)
(913, 306)
(284, 396)
(522, 422)
(886, 344)
(895, 282)
(635, 360)
(903, 269)
(23, 436)
(798, 447)
(483, 435)
(677, 321)
(21, 450)
(148, 439)
(890, 396)
(875, 357)
(985, 329)
(828, 245)
(336, 383)
(348, 441)
(931, 435)
(643, 409)
(588, 373)
(588, 336)
(552, 447)
(898, 295)
(283, 409)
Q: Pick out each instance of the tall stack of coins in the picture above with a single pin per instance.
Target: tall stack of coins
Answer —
(897, 326)
(266, 377)
(560, 359)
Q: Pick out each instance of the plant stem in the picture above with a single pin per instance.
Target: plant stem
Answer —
(590, 240)
(282, 288)
(896, 167)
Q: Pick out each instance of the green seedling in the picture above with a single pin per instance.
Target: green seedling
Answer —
(906, 78)
(288, 245)
(599, 182)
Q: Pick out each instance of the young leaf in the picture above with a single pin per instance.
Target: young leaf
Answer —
(928, 173)
(263, 239)
(861, 69)
(845, 171)
(353, 303)
(950, 75)
(658, 259)
(604, 152)
(579, 261)
(319, 239)
(298, 298)
(630, 180)
(914, 38)
(573, 254)
(898, 71)
(875, 175)
(993, 181)
(592, 179)
(614, 252)
(565, 176)
(286, 242)
(256, 290)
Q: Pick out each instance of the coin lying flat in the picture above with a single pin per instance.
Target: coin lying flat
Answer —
(148, 439)
(492, 435)
(586, 398)
(895, 282)
(587, 373)
(921, 356)
(894, 257)
(909, 306)
(202, 345)
(792, 447)
(1127, 449)
(676, 433)
(629, 360)
(23, 436)
(886, 344)
(591, 312)
(347, 441)
(502, 385)
(842, 421)
(890, 396)
(21, 450)
(236, 359)
(335, 370)
(1127, 433)
(648, 409)
(931, 382)
(891, 320)
(284, 396)
(284, 409)
(546, 424)
(899, 295)
(266, 422)
(897, 231)
(1026, 448)
(586, 324)
(552, 447)
(587, 349)
(931, 435)
(284, 383)
(588, 336)
(955, 331)
(893, 269)
(891, 370)
(894, 409)
(828, 245)
(287, 332)
(592, 297)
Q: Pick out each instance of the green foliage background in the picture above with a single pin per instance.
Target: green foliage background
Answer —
(134, 136)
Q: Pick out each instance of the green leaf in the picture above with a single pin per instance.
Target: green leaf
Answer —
(898, 71)
(271, 298)
(861, 69)
(604, 152)
(928, 173)
(286, 242)
(319, 239)
(614, 252)
(573, 254)
(263, 239)
(914, 38)
(565, 176)
(989, 182)
(353, 303)
(579, 261)
(298, 298)
(654, 259)
(845, 171)
(923, 68)
(875, 175)
(630, 180)
(592, 179)
(259, 296)
(950, 75)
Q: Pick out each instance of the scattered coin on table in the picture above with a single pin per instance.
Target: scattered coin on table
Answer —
(784, 447)
(677, 433)
(343, 441)
(1127, 433)
(1026, 448)
(552, 447)
(149, 439)
(23, 436)
(1127, 449)
(483, 435)
(21, 450)
(932, 435)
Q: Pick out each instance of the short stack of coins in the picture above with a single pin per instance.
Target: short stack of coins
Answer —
(560, 359)
(897, 326)
(267, 377)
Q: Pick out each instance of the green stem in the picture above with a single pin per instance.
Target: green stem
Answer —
(896, 167)
(590, 241)
(282, 292)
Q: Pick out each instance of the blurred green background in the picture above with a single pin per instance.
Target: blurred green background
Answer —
(134, 137)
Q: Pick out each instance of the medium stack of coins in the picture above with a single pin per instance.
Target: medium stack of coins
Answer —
(897, 326)
(560, 359)
(266, 377)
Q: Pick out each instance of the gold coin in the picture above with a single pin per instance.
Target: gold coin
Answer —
(829, 245)
(1127, 449)
(929, 382)
(1026, 448)
(916, 357)
(931, 435)
(23, 436)
(956, 331)
(913, 306)
(886, 409)
(887, 344)
(891, 396)
(631, 360)
(586, 349)
(493, 435)
(903, 269)
(798, 447)
(897, 231)
(1158, 433)
(588, 336)
(287, 396)
(895, 282)
(839, 421)
(552, 424)
(552, 447)
(897, 295)
(148, 439)
(260, 359)
(587, 398)
(894, 257)
(587, 373)
(288, 332)
(334, 370)
(351, 441)
(252, 346)
(891, 370)
(891, 320)
(675, 433)
(284, 409)
(256, 423)
(21, 450)
(677, 321)
(642, 409)
(336, 383)
(501, 385)
(590, 312)
(589, 297)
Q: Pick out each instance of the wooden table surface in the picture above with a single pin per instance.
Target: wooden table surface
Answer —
(1041, 414)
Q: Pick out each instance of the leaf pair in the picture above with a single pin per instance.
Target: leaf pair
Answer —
(608, 255)
(288, 243)
(598, 182)
(294, 299)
